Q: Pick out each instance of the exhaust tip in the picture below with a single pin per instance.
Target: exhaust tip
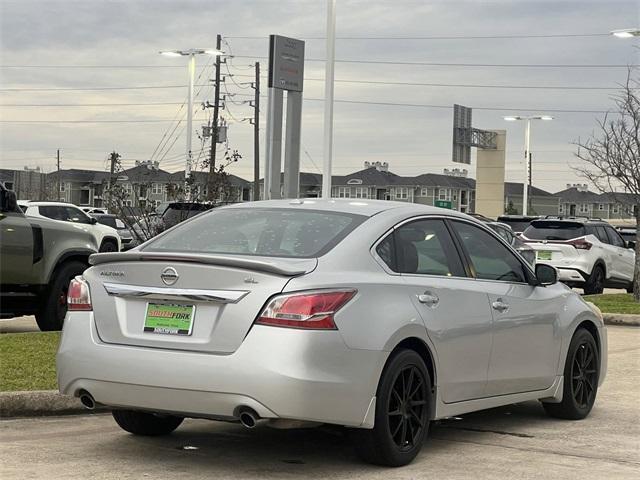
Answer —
(248, 418)
(87, 400)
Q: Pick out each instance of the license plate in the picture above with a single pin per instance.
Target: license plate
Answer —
(544, 255)
(169, 319)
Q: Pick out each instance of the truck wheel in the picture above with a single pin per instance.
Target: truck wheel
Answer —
(53, 308)
(108, 246)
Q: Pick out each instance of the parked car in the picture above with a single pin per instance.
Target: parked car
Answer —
(38, 258)
(106, 237)
(629, 235)
(375, 315)
(126, 238)
(92, 210)
(512, 239)
(173, 213)
(589, 254)
(518, 223)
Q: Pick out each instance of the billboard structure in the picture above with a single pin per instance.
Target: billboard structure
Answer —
(286, 73)
(465, 136)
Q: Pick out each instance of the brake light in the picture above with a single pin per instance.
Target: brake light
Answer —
(580, 244)
(78, 296)
(309, 310)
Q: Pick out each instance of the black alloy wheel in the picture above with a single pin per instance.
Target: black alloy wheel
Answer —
(407, 406)
(403, 403)
(581, 375)
(584, 375)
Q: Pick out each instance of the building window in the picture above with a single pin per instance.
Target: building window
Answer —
(561, 208)
(584, 208)
(601, 207)
(127, 189)
(62, 186)
(402, 193)
(8, 185)
(444, 194)
(424, 192)
(157, 188)
(344, 192)
(362, 192)
(616, 209)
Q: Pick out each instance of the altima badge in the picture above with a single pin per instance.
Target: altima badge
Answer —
(169, 276)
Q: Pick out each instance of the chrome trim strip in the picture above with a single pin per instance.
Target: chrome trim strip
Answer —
(180, 294)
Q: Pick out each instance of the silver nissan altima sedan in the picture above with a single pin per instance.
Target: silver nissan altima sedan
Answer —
(375, 315)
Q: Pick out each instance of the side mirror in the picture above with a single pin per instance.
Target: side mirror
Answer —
(631, 244)
(546, 274)
(8, 201)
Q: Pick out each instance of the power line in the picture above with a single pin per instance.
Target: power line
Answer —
(454, 37)
(372, 82)
(155, 120)
(444, 64)
(149, 104)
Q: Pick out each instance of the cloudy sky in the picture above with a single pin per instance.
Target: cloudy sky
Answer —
(60, 57)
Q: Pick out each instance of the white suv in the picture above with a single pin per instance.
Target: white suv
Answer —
(589, 254)
(106, 237)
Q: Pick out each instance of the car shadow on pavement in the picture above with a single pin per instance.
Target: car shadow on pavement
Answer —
(227, 447)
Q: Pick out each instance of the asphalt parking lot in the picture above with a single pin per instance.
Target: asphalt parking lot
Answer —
(517, 441)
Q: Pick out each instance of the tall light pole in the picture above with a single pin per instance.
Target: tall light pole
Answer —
(191, 53)
(328, 99)
(527, 154)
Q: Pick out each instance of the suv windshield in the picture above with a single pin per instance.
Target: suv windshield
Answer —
(259, 231)
(554, 230)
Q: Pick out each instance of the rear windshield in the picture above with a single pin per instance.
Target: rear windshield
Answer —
(260, 232)
(516, 224)
(549, 230)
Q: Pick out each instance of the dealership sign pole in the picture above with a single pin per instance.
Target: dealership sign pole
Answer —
(286, 72)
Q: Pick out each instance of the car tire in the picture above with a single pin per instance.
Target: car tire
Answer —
(595, 282)
(581, 371)
(50, 315)
(630, 287)
(108, 246)
(403, 402)
(148, 424)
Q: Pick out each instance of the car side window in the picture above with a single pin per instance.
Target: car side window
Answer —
(614, 237)
(75, 215)
(51, 211)
(490, 259)
(601, 234)
(422, 247)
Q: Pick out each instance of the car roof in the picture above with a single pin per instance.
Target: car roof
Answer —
(52, 204)
(583, 220)
(355, 206)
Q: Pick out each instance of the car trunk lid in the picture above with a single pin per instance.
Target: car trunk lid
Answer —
(222, 294)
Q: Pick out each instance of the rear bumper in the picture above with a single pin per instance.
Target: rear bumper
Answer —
(571, 275)
(280, 373)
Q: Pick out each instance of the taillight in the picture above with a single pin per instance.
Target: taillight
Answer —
(580, 244)
(310, 310)
(78, 296)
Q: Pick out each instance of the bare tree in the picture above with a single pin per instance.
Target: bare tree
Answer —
(611, 158)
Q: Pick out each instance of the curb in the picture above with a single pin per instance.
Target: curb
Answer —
(40, 403)
(621, 319)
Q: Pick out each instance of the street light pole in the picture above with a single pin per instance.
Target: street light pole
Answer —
(527, 154)
(187, 169)
(328, 99)
(527, 166)
(191, 66)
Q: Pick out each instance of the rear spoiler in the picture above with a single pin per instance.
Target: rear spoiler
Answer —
(289, 267)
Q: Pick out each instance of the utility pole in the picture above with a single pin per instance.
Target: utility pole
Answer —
(58, 170)
(113, 160)
(530, 180)
(214, 126)
(256, 136)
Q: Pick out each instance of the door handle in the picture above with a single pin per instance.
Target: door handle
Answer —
(500, 306)
(429, 299)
